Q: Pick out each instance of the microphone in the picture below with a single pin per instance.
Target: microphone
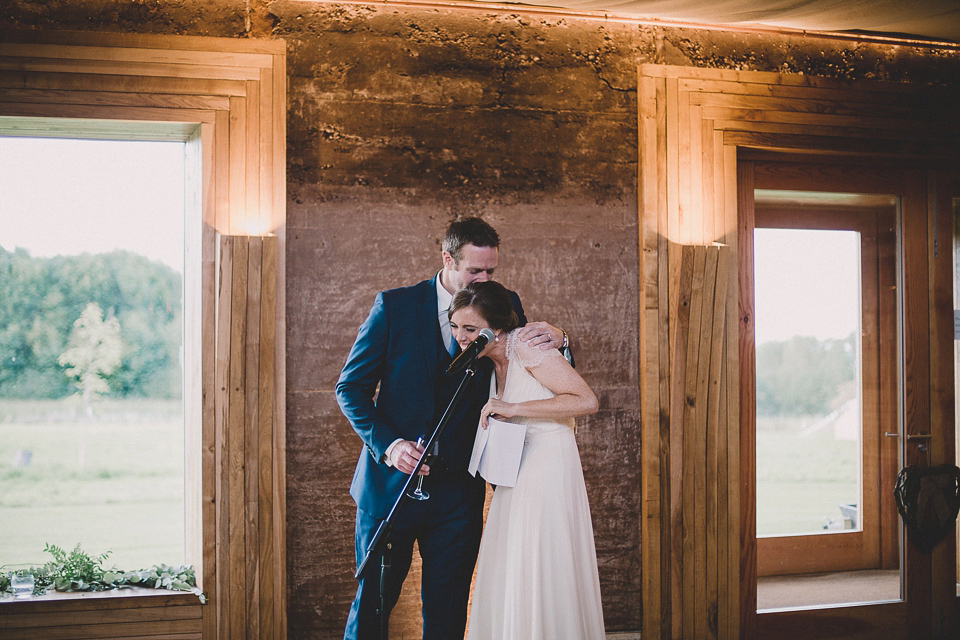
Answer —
(468, 355)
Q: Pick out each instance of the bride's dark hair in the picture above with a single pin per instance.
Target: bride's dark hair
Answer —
(491, 300)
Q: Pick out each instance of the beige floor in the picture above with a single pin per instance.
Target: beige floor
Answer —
(828, 588)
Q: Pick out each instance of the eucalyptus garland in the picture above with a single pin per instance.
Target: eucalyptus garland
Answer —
(79, 571)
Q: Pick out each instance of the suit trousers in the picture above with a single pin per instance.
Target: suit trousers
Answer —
(447, 529)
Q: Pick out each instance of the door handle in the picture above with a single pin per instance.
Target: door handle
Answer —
(922, 437)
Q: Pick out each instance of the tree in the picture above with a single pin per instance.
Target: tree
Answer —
(40, 298)
(93, 352)
(804, 376)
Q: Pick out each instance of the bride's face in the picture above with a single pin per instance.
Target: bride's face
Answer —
(465, 323)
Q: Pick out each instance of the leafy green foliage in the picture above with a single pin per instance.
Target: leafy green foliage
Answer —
(803, 375)
(79, 571)
(41, 298)
(75, 571)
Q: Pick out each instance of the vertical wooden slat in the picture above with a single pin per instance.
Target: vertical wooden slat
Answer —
(236, 445)
(702, 430)
(256, 219)
(221, 436)
(651, 448)
(251, 450)
(889, 390)
(714, 452)
(681, 287)
(278, 226)
(661, 345)
(707, 182)
(722, 427)
(955, 246)
(688, 415)
(671, 141)
(725, 612)
(222, 171)
(942, 384)
(916, 375)
(680, 178)
(210, 387)
(701, 231)
(268, 578)
(731, 424)
(742, 450)
(948, 194)
(237, 171)
(267, 174)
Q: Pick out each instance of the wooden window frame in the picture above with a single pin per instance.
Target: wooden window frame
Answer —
(226, 99)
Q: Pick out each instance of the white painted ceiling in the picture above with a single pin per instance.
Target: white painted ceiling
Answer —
(923, 19)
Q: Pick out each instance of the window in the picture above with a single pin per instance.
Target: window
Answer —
(91, 340)
(808, 371)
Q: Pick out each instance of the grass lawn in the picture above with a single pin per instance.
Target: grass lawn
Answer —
(112, 483)
(802, 480)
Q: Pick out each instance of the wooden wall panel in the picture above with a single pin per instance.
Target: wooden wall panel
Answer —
(226, 98)
(699, 559)
(246, 369)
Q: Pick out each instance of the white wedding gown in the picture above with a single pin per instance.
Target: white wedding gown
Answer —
(537, 569)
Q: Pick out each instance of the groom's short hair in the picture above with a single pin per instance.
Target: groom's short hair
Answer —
(469, 231)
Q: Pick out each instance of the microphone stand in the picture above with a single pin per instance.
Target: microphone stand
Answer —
(380, 542)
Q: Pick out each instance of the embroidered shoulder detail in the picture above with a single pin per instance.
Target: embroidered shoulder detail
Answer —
(525, 354)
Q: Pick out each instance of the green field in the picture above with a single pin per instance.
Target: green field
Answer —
(115, 482)
(802, 480)
(112, 482)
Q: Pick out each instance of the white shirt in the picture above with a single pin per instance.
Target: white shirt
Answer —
(444, 298)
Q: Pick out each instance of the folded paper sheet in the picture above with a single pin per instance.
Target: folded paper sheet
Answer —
(497, 452)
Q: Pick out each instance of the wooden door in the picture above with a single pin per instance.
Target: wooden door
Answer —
(897, 363)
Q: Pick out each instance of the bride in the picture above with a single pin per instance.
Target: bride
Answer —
(537, 569)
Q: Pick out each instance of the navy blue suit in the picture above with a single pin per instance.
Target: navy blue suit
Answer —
(399, 349)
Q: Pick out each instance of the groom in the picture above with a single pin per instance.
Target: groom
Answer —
(393, 389)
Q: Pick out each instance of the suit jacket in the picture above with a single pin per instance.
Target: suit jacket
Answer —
(394, 386)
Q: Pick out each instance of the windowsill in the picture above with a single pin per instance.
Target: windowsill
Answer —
(124, 598)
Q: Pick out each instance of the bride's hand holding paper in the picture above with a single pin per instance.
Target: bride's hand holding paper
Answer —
(496, 408)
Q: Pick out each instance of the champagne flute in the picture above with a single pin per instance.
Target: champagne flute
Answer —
(419, 493)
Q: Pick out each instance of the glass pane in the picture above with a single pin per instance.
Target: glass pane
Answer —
(808, 381)
(91, 416)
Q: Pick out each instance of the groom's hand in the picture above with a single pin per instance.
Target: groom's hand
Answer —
(542, 335)
(405, 455)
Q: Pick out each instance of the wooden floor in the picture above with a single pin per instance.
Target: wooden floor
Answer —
(827, 588)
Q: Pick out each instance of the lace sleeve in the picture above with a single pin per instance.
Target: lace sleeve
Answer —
(526, 355)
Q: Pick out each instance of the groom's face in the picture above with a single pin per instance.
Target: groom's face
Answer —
(477, 264)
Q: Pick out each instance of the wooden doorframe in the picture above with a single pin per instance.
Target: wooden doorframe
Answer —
(692, 123)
